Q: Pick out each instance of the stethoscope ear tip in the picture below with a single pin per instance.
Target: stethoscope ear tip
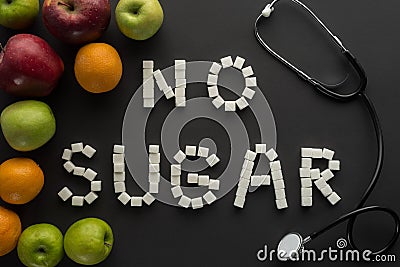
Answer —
(267, 11)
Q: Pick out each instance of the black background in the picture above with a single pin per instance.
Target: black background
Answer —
(221, 235)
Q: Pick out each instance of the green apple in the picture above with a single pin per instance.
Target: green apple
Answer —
(88, 241)
(18, 14)
(40, 245)
(139, 19)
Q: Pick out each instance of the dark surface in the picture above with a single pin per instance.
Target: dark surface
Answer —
(221, 235)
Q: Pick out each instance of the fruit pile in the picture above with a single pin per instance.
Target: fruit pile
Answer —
(31, 68)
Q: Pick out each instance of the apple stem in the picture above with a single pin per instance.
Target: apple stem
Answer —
(70, 7)
(1, 48)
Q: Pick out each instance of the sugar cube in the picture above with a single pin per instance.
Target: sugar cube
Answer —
(241, 191)
(304, 172)
(248, 93)
(180, 82)
(124, 198)
(148, 64)
(67, 154)
(120, 167)
(215, 68)
(190, 151)
(271, 154)
(153, 149)
(277, 175)
(95, 186)
(334, 165)
(204, 180)
(119, 187)
(213, 91)
(326, 191)
(148, 102)
(91, 197)
(214, 160)
(147, 73)
(119, 149)
(334, 198)
(203, 152)
(226, 62)
(79, 171)
(213, 184)
(230, 106)
(148, 199)
(281, 203)
(239, 201)
(119, 176)
(280, 194)
(154, 168)
(154, 177)
(69, 166)
(77, 147)
(147, 91)
(251, 81)
(266, 180)
(192, 178)
(256, 180)
(175, 180)
(242, 103)
(248, 71)
(180, 156)
(306, 182)
(136, 201)
(328, 154)
(118, 158)
(306, 201)
(176, 169)
(244, 183)
(209, 197)
(320, 183)
(65, 194)
(239, 62)
(155, 158)
(327, 174)
(180, 64)
(317, 153)
(180, 91)
(275, 165)
(169, 93)
(218, 102)
(153, 188)
(176, 191)
(261, 148)
(306, 152)
(184, 201)
(306, 163)
(77, 201)
(212, 79)
(306, 191)
(90, 174)
(315, 174)
(278, 184)
(197, 203)
(250, 155)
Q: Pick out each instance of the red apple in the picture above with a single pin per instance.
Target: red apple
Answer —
(76, 21)
(29, 67)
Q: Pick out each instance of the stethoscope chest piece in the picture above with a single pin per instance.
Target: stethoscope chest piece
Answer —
(290, 246)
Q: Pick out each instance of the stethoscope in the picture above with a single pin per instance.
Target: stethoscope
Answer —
(293, 243)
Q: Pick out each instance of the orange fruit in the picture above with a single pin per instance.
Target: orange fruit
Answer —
(21, 180)
(98, 67)
(10, 230)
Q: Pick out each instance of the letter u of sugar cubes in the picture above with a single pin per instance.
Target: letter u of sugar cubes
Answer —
(246, 179)
(65, 193)
(308, 175)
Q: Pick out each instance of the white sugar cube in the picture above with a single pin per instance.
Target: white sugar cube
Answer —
(213, 184)
(148, 199)
(251, 81)
(327, 174)
(78, 201)
(155, 158)
(148, 102)
(184, 201)
(147, 91)
(95, 186)
(271, 154)
(77, 147)
(239, 201)
(180, 102)
(204, 180)
(119, 176)
(118, 158)
(88, 151)
(256, 180)
(136, 201)
(180, 64)
(119, 187)
(315, 174)
(119, 167)
(197, 203)
(218, 102)
(203, 152)
(248, 93)
(242, 103)
(175, 180)
(154, 149)
(153, 188)
(230, 106)
(176, 169)
(304, 172)
(213, 91)
(190, 150)
(192, 178)
(334, 165)
(176, 191)
(212, 160)
(277, 175)
(69, 166)
(306, 182)
(317, 153)
(326, 191)
(320, 183)
(180, 82)
(160, 80)
(261, 148)
(306, 163)
(306, 152)
(275, 165)
(154, 177)
(209, 197)
(215, 68)
(124, 198)
(306, 192)
(334, 198)
(119, 149)
(226, 62)
(91, 197)
(180, 156)
(248, 71)
(266, 179)
(148, 64)
(147, 73)
(154, 168)
(90, 174)
(65, 194)
(67, 154)
(246, 174)
(278, 184)
(239, 62)
(169, 93)
(79, 171)
(306, 201)
(250, 155)
(212, 79)
(281, 203)
(180, 91)
(328, 154)
(244, 183)
(249, 165)
(280, 194)
(241, 191)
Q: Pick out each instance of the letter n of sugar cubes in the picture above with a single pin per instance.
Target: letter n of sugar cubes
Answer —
(308, 175)
(87, 173)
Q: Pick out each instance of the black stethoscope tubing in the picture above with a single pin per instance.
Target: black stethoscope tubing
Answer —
(360, 92)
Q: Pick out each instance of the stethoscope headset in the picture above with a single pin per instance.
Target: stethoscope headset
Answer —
(294, 242)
